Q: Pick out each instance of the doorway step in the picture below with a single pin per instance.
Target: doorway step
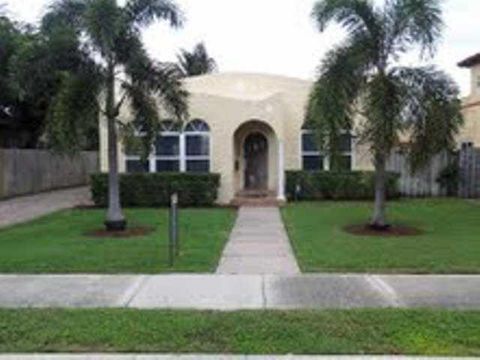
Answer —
(256, 198)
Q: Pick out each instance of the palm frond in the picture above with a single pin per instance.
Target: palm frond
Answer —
(166, 80)
(162, 79)
(65, 13)
(431, 111)
(343, 75)
(145, 114)
(415, 22)
(383, 104)
(104, 25)
(197, 62)
(354, 15)
(143, 12)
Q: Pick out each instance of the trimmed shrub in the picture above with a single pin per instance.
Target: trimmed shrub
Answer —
(326, 185)
(154, 190)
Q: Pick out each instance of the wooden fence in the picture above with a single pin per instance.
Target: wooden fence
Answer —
(423, 182)
(32, 171)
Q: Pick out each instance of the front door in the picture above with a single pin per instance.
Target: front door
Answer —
(256, 162)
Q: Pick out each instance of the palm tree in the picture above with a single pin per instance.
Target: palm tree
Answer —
(197, 62)
(361, 86)
(111, 36)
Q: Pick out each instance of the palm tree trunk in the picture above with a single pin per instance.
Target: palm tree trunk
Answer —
(379, 214)
(115, 220)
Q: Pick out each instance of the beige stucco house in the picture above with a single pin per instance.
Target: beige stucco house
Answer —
(249, 128)
(471, 104)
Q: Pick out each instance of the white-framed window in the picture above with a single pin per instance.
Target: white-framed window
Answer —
(314, 160)
(345, 151)
(167, 150)
(175, 150)
(197, 146)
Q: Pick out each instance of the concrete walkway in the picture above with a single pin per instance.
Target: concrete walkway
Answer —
(25, 208)
(258, 244)
(238, 292)
(211, 357)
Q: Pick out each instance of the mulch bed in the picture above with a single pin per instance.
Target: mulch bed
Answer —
(391, 231)
(130, 232)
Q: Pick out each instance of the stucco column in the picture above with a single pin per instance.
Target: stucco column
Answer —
(281, 171)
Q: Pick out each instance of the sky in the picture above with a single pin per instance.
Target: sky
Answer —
(278, 36)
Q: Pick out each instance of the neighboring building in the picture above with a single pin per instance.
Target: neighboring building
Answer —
(471, 104)
(250, 129)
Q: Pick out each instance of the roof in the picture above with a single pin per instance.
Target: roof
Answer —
(470, 61)
(245, 86)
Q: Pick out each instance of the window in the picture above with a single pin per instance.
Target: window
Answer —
(345, 149)
(167, 148)
(314, 160)
(197, 146)
(174, 150)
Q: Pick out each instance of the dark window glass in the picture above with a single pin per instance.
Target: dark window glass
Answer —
(167, 146)
(309, 142)
(197, 145)
(313, 163)
(137, 166)
(168, 166)
(198, 166)
(345, 143)
(197, 125)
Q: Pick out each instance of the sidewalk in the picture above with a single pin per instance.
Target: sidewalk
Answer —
(25, 208)
(211, 357)
(240, 292)
(258, 244)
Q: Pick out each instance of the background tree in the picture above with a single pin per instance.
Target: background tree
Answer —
(111, 36)
(196, 62)
(32, 66)
(362, 87)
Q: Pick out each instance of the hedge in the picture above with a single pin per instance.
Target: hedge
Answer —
(326, 185)
(154, 190)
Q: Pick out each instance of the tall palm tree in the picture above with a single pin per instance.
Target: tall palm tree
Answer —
(362, 87)
(196, 62)
(111, 36)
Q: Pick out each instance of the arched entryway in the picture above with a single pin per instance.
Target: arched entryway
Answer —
(257, 161)
(255, 151)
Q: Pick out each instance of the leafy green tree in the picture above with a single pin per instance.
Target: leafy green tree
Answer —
(362, 87)
(111, 36)
(32, 66)
(196, 62)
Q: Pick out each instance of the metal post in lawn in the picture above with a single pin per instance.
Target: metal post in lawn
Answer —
(173, 230)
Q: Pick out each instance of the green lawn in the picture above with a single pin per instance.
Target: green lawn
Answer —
(419, 332)
(57, 243)
(450, 244)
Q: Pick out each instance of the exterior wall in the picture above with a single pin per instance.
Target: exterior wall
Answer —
(475, 81)
(229, 101)
(471, 110)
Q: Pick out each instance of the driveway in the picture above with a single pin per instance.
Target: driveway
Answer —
(25, 208)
